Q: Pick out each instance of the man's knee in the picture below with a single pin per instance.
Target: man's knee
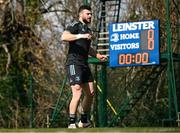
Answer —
(76, 92)
(92, 94)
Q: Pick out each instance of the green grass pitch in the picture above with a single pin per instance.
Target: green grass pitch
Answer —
(92, 130)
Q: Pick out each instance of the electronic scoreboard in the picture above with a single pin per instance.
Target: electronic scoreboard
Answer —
(134, 43)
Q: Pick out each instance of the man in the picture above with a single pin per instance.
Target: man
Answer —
(78, 34)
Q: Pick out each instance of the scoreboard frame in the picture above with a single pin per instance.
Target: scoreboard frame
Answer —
(134, 43)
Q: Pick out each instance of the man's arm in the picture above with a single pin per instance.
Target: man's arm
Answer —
(67, 36)
(93, 53)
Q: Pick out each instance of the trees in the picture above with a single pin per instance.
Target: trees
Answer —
(31, 46)
(24, 53)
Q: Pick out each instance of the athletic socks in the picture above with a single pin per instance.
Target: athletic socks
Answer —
(84, 118)
(72, 118)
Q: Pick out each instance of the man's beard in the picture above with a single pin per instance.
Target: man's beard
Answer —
(86, 22)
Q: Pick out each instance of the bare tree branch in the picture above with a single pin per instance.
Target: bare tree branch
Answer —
(44, 11)
(49, 8)
(9, 57)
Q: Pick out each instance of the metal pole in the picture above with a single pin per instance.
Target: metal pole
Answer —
(103, 83)
(170, 71)
(102, 98)
(57, 108)
(177, 67)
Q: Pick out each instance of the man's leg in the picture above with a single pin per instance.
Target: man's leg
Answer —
(76, 95)
(86, 103)
(88, 96)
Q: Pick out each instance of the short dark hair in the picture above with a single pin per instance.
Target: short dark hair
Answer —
(83, 7)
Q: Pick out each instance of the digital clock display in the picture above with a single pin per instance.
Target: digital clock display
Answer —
(134, 43)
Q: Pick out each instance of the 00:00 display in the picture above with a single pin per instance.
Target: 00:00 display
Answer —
(138, 58)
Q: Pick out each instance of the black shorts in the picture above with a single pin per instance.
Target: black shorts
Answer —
(78, 74)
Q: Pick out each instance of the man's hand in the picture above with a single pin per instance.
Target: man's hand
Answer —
(85, 36)
(101, 57)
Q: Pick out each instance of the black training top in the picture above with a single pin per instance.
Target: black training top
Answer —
(78, 49)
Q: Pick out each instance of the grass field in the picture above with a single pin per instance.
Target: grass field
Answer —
(106, 130)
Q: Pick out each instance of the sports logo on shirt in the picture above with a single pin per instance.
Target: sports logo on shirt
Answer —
(77, 78)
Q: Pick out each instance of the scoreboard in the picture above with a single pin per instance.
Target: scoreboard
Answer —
(134, 43)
